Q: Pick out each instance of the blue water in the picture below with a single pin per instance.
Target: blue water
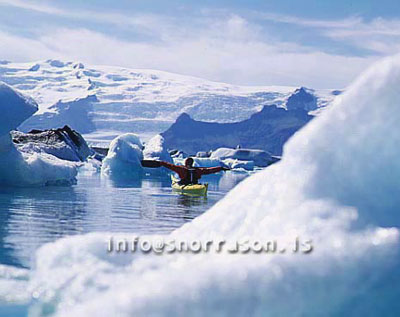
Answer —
(30, 217)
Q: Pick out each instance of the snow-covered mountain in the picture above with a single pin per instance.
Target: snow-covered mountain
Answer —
(103, 101)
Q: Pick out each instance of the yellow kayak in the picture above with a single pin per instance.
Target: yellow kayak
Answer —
(195, 189)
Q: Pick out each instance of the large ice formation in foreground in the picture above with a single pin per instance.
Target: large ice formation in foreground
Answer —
(337, 184)
(19, 168)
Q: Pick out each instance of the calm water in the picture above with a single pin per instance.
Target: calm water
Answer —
(31, 217)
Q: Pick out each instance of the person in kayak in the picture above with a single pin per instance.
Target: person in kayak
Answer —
(189, 174)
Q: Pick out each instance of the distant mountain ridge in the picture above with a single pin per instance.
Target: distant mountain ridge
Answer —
(268, 130)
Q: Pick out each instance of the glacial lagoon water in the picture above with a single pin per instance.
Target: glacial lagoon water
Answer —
(30, 217)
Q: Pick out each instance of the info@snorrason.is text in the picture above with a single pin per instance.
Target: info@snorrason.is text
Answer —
(161, 244)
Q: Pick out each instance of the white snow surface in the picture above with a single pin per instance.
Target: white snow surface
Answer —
(142, 101)
(337, 184)
(124, 157)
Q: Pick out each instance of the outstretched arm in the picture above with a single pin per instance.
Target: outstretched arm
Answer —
(151, 163)
(210, 170)
(176, 168)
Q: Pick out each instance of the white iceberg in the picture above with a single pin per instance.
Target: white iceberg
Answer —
(337, 185)
(199, 161)
(203, 154)
(239, 164)
(234, 164)
(15, 108)
(155, 150)
(206, 162)
(124, 157)
(259, 157)
(26, 168)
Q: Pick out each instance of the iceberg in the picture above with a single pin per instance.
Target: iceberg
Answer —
(26, 168)
(155, 150)
(203, 154)
(336, 187)
(239, 164)
(258, 157)
(206, 162)
(64, 143)
(124, 157)
(15, 108)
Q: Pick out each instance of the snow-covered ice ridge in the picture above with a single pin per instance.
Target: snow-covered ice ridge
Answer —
(133, 100)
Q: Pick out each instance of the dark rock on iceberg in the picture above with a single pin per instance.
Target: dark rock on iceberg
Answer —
(63, 143)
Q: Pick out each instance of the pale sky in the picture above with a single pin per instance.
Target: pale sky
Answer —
(318, 44)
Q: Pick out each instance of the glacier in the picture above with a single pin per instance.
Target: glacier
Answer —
(336, 185)
(26, 168)
(103, 102)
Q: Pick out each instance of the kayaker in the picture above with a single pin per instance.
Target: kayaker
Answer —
(189, 174)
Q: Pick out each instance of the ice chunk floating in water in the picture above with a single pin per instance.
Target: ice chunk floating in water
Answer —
(124, 156)
(337, 184)
(155, 150)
